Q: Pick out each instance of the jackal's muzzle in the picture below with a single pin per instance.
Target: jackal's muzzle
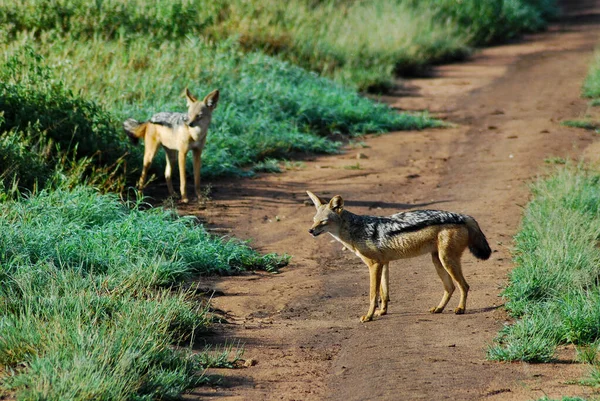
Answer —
(316, 231)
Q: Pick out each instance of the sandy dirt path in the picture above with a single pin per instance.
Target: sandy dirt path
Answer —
(301, 326)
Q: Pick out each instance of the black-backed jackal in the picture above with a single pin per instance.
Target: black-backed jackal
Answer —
(177, 133)
(379, 240)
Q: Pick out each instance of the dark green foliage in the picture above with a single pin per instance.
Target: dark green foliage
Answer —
(493, 21)
(32, 98)
(22, 159)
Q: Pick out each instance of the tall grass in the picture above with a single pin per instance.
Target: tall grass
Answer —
(554, 291)
(89, 65)
(361, 44)
(76, 94)
(45, 127)
(91, 302)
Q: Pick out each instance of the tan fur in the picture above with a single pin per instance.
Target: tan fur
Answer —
(445, 242)
(178, 141)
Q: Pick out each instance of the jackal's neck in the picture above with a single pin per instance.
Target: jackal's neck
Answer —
(350, 226)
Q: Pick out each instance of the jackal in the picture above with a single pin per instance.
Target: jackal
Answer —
(379, 240)
(177, 133)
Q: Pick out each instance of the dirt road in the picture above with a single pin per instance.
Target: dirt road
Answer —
(302, 327)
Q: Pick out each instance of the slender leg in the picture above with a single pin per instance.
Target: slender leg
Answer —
(150, 148)
(375, 271)
(182, 156)
(171, 161)
(452, 265)
(446, 280)
(384, 294)
(197, 153)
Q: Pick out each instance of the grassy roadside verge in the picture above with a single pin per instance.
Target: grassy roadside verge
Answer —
(55, 95)
(554, 292)
(93, 301)
(360, 44)
(110, 60)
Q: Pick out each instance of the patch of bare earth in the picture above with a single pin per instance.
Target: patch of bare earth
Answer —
(301, 327)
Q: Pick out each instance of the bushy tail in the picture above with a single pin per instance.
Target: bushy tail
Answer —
(478, 244)
(134, 130)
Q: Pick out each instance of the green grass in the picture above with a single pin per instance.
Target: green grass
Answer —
(268, 108)
(360, 44)
(554, 293)
(97, 298)
(591, 88)
(585, 124)
(93, 296)
(562, 399)
(591, 84)
(73, 71)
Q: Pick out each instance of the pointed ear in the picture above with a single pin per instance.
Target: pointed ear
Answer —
(316, 200)
(212, 99)
(189, 97)
(336, 204)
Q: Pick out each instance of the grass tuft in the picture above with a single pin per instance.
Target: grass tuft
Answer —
(591, 85)
(585, 124)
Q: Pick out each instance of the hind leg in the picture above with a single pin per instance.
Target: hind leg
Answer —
(446, 281)
(150, 147)
(451, 262)
(171, 161)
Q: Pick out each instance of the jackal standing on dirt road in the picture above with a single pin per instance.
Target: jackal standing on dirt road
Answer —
(177, 133)
(379, 240)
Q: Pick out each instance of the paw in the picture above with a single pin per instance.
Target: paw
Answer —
(185, 200)
(436, 310)
(459, 311)
(366, 318)
(381, 312)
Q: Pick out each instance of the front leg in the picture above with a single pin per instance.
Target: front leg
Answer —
(171, 158)
(182, 156)
(375, 271)
(384, 293)
(197, 153)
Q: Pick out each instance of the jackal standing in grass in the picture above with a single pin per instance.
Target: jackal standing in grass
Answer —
(177, 133)
(379, 240)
